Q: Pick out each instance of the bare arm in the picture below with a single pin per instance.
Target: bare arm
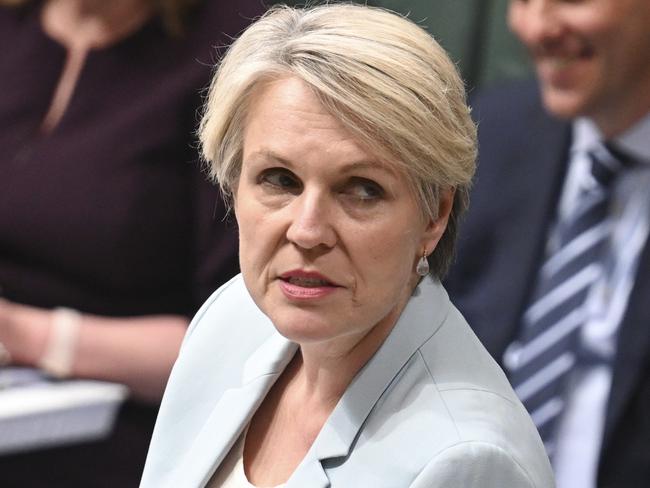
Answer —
(138, 352)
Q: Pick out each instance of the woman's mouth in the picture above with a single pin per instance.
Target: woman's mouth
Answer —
(303, 285)
(308, 282)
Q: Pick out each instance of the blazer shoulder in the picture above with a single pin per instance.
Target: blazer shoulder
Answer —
(476, 464)
(478, 401)
(229, 310)
(456, 361)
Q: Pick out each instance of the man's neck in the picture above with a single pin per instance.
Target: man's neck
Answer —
(618, 117)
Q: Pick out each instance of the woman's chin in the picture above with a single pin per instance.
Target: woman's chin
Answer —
(305, 326)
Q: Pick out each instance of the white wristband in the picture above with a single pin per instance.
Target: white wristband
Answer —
(62, 343)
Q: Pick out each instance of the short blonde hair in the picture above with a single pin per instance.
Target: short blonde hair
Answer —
(383, 77)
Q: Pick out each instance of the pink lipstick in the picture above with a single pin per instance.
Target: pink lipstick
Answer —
(306, 285)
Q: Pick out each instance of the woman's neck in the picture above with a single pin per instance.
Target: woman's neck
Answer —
(88, 24)
(326, 370)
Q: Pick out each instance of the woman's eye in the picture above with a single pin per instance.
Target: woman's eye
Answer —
(364, 190)
(280, 179)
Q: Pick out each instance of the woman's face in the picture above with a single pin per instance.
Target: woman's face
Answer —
(329, 236)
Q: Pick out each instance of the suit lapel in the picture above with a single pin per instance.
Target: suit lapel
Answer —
(532, 175)
(540, 169)
(421, 318)
(233, 411)
(634, 339)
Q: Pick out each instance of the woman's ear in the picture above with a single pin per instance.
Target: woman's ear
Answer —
(436, 228)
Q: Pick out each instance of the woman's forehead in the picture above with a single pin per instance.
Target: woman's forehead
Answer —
(285, 113)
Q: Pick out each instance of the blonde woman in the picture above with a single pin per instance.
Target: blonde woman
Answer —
(342, 136)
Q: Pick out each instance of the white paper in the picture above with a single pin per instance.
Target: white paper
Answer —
(37, 412)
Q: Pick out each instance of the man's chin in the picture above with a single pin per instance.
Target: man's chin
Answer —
(563, 103)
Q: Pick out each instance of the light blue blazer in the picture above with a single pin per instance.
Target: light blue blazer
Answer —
(430, 408)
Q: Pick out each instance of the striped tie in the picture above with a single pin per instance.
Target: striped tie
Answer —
(539, 361)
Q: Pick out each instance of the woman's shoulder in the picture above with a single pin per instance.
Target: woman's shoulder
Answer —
(224, 333)
(15, 19)
(434, 418)
(484, 414)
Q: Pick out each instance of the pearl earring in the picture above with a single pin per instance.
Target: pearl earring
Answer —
(422, 268)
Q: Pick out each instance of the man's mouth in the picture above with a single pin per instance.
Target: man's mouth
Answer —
(559, 62)
(559, 58)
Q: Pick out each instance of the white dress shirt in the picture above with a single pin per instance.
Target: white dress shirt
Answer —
(581, 427)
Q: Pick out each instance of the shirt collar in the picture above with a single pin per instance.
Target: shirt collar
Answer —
(635, 141)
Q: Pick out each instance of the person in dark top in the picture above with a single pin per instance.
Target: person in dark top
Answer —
(103, 207)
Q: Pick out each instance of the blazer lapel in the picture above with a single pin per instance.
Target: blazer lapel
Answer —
(233, 412)
(423, 315)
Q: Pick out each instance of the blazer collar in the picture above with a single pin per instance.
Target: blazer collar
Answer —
(234, 410)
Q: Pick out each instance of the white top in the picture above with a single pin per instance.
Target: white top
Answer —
(230, 473)
(579, 438)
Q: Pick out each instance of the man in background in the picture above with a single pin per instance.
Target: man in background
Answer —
(553, 267)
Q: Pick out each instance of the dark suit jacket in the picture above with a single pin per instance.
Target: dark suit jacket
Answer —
(522, 163)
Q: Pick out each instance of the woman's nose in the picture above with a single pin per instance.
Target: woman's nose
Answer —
(311, 225)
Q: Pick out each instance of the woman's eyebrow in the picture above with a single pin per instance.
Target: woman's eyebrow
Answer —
(368, 165)
(265, 155)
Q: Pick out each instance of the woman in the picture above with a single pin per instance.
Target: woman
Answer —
(336, 359)
(102, 209)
